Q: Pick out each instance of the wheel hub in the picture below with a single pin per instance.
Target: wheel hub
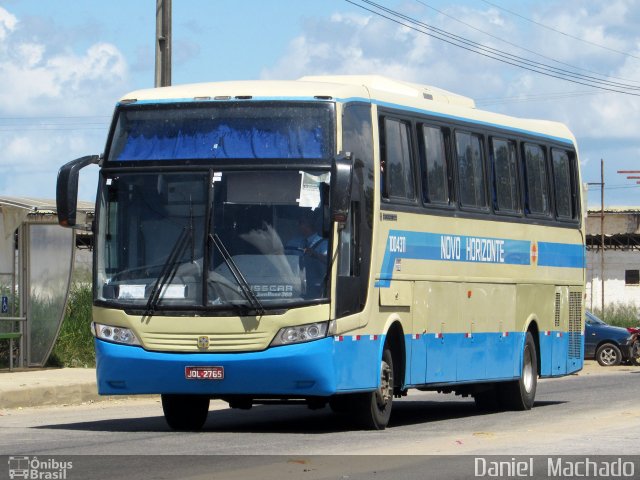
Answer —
(385, 392)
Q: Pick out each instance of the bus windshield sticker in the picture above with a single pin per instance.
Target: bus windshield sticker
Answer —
(310, 189)
(131, 291)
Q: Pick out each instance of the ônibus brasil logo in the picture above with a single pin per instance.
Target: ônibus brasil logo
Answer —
(33, 468)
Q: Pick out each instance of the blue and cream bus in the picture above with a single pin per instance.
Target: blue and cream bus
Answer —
(336, 240)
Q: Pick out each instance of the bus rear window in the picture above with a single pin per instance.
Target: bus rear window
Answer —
(229, 131)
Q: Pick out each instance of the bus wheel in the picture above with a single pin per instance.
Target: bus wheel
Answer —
(185, 412)
(374, 408)
(520, 394)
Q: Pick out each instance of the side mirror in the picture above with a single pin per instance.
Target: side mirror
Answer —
(341, 180)
(67, 189)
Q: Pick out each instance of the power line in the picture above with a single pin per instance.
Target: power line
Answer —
(536, 98)
(613, 187)
(53, 123)
(519, 46)
(57, 117)
(489, 51)
(560, 31)
(493, 53)
(13, 130)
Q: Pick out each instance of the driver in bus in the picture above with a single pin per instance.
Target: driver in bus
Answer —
(310, 243)
(313, 250)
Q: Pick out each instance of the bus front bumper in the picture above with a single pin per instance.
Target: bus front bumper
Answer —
(300, 370)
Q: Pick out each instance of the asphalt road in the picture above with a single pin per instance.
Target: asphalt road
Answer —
(430, 436)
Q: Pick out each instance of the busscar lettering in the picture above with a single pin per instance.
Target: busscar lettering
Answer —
(277, 291)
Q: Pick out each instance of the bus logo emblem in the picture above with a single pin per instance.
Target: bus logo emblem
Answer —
(534, 253)
(203, 343)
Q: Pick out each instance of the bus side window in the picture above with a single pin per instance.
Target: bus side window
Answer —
(433, 160)
(564, 191)
(505, 175)
(397, 175)
(471, 175)
(536, 180)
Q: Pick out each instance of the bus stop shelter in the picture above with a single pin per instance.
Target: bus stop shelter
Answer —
(36, 263)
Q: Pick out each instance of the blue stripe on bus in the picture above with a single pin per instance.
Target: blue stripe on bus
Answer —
(491, 356)
(561, 255)
(338, 364)
(472, 249)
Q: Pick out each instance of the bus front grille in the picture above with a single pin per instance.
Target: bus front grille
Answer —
(189, 342)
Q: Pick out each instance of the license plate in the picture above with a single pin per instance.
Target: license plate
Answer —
(204, 373)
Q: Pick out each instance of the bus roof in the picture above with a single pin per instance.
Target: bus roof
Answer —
(374, 88)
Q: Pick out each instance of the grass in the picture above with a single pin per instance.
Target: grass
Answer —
(620, 314)
(74, 347)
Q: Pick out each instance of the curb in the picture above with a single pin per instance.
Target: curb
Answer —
(50, 395)
(67, 386)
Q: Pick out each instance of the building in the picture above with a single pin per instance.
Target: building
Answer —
(620, 256)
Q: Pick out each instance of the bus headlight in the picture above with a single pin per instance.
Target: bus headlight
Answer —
(114, 334)
(300, 334)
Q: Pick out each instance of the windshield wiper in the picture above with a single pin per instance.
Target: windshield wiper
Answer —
(169, 270)
(237, 274)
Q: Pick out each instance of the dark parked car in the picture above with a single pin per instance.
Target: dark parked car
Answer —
(607, 344)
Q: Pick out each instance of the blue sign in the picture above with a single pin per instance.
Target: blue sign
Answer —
(5, 304)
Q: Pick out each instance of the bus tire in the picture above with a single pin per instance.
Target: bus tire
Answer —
(185, 412)
(374, 408)
(520, 394)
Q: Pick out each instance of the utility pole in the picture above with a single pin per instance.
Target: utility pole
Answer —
(601, 184)
(163, 43)
(602, 233)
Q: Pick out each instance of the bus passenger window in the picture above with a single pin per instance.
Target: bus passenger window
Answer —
(471, 170)
(398, 165)
(537, 192)
(435, 180)
(505, 176)
(562, 182)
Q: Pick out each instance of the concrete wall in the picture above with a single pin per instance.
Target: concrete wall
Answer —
(615, 290)
(615, 222)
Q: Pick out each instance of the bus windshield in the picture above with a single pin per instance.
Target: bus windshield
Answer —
(222, 131)
(212, 239)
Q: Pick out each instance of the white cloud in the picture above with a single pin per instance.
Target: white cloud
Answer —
(43, 86)
(8, 23)
(35, 83)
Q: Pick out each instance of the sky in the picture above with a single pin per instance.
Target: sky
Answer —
(65, 63)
